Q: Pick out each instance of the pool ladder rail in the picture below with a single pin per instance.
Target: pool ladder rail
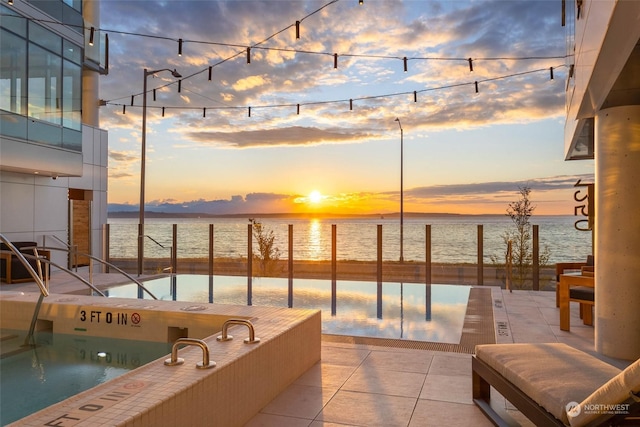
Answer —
(175, 360)
(252, 333)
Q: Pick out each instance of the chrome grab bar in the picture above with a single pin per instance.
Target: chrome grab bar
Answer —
(175, 360)
(252, 333)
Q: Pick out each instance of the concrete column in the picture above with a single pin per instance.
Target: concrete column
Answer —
(90, 79)
(617, 232)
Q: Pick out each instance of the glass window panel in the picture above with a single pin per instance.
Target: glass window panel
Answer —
(72, 96)
(45, 38)
(13, 125)
(72, 52)
(45, 85)
(72, 139)
(13, 72)
(76, 4)
(12, 22)
(44, 133)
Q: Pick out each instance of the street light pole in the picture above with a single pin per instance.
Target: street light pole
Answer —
(401, 190)
(143, 159)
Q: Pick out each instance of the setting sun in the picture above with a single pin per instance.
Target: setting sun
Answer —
(315, 196)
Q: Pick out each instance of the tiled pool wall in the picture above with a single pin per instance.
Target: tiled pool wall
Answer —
(246, 378)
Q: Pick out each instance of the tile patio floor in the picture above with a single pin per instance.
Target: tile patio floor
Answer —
(365, 385)
(358, 385)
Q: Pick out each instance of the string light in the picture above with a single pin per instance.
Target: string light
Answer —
(10, 2)
(204, 112)
(180, 42)
(132, 100)
(335, 60)
(91, 34)
(351, 100)
(405, 63)
(210, 72)
(124, 109)
(297, 30)
(551, 73)
(154, 94)
(179, 85)
(248, 55)
(361, 2)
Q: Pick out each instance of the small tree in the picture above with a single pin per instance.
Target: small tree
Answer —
(521, 252)
(268, 254)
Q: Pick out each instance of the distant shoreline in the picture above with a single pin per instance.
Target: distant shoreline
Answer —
(152, 214)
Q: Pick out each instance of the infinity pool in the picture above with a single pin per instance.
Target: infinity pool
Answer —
(60, 366)
(411, 311)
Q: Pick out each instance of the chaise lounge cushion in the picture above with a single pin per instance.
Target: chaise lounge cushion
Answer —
(552, 375)
(612, 393)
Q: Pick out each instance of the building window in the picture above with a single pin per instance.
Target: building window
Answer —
(41, 78)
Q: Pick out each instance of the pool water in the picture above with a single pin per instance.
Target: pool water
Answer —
(411, 311)
(60, 366)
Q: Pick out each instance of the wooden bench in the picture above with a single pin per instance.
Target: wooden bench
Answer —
(555, 385)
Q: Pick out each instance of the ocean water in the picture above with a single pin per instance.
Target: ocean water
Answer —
(453, 238)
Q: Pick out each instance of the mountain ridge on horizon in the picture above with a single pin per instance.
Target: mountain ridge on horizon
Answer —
(157, 214)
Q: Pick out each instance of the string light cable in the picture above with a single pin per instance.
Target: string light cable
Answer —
(351, 101)
(258, 46)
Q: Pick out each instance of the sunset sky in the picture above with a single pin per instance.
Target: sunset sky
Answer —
(464, 152)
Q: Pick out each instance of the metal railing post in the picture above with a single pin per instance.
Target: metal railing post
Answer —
(211, 241)
(480, 255)
(105, 249)
(290, 265)
(333, 269)
(427, 252)
(174, 250)
(249, 262)
(379, 271)
(536, 258)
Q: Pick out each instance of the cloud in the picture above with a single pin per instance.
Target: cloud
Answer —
(497, 188)
(290, 136)
(427, 197)
(494, 29)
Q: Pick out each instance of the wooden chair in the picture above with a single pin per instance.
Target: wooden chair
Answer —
(585, 268)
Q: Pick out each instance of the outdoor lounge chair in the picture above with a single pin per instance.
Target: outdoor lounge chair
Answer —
(11, 269)
(556, 385)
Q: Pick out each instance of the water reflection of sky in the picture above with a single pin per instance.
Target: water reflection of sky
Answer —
(408, 311)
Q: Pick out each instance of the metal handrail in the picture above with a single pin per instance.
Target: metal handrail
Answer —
(206, 363)
(119, 270)
(38, 279)
(66, 270)
(25, 263)
(252, 333)
(73, 249)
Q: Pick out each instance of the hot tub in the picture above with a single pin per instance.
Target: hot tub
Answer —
(246, 377)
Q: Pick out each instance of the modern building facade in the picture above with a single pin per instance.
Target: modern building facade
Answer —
(53, 155)
(603, 123)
